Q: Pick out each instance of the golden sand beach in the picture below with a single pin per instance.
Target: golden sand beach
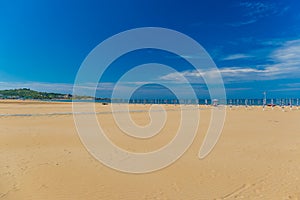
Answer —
(42, 157)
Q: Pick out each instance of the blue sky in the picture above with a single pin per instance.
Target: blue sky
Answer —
(255, 44)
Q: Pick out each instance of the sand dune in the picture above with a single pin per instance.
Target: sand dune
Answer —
(42, 157)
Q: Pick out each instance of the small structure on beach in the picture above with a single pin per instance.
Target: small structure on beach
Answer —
(215, 102)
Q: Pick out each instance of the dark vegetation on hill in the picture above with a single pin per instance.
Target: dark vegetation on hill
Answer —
(25, 93)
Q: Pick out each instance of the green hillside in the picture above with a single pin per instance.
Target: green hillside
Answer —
(26, 93)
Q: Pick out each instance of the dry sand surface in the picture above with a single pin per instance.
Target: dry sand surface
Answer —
(42, 157)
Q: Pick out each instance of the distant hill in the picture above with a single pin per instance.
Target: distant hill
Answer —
(25, 93)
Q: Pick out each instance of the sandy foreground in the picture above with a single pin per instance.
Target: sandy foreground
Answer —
(42, 157)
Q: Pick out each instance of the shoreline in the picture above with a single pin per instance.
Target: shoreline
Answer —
(33, 101)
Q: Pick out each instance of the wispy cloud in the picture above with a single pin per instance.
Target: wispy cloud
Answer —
(293, 85)
(288, 87)
(285, 89)
(285, 64)
(256, 10)
(288, 53)
(237, 56)
(229, 74)
(185, 56)
(287, 59)
(259, 9)
(273, 42)
(241, 23)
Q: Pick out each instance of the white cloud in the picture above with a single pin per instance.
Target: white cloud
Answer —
(237, 56)
(287, 60)
(229, 74)
(286, 64)
(288, 53)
